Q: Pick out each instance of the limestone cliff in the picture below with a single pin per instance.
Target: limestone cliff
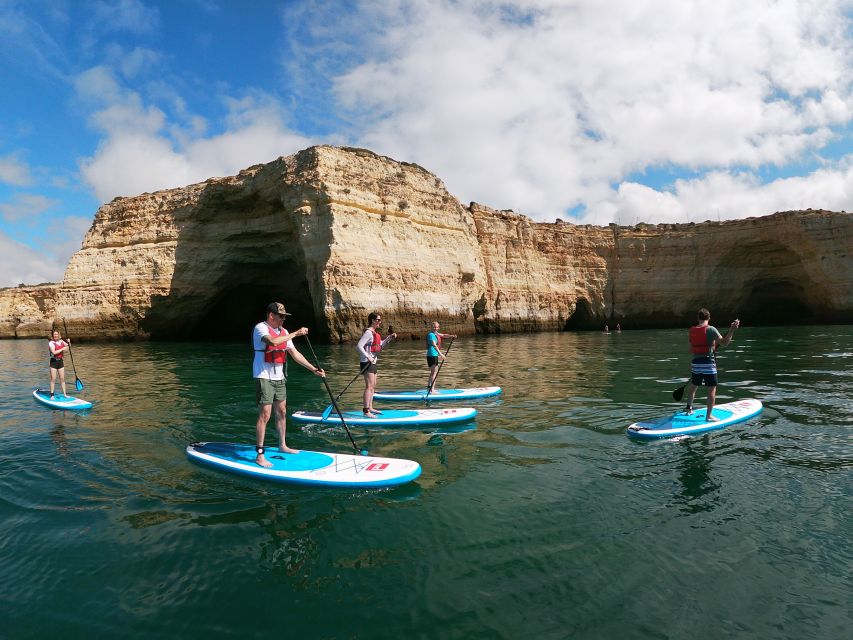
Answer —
(27, 312)
(337, 232)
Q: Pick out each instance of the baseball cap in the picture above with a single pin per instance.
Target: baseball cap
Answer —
(277, 308)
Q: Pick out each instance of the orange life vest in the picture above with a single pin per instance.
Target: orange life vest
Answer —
(276, 353)
(376, 345)
(699, 341)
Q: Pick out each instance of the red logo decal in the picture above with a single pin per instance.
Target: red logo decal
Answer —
(377, 466)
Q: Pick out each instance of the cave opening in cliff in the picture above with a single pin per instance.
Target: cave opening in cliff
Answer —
(776, 302)
(583, 319)
(240, 302)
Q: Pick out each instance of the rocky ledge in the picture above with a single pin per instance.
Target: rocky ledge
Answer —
(337, 232)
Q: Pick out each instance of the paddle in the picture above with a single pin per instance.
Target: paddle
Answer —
(77, 381)
(440, 365)
(679, 393)
(328, 410)
(335, 402)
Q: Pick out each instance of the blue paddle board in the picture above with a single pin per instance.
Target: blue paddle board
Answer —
(685, 424)
(305, 467)
(389, 417)
(438, 394)
(60, 401)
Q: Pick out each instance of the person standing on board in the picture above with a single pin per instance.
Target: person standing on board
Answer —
(368, 347)
(272, 344)
(704, 342)
(57, 347)
(434, 354)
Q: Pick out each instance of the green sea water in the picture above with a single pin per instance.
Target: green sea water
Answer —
(540, 519)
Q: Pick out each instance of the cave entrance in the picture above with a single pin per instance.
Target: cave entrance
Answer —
(583, 319)
(245, 291)
(776, 302)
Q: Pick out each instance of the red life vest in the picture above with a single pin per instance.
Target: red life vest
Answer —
(276, 353)
(699, 341)
(376, 345)
(57, 344)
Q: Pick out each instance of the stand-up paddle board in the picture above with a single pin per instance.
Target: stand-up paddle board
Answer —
(60, 401)
(389, 417)
(306, 467)
(684, 424)
(438, 394)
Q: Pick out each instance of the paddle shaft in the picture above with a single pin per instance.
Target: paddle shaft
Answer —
(71, 355)
(440, 365)
(332, 396)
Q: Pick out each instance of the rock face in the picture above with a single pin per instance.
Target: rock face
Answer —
(27, 312)
(335, 233)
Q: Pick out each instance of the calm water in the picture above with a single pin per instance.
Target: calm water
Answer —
(541, 520)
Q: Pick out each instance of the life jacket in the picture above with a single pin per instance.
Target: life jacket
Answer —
(57, 344)
(376, 345)
(276, 353)
(699, 341)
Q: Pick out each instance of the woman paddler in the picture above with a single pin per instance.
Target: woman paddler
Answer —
(368, 347)
(57, 347)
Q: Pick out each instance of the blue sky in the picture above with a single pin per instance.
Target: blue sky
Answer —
(595, 111)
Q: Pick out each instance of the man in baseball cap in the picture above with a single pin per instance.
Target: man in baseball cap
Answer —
(272, 345)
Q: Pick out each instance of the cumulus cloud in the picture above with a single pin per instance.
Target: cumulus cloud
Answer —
(546, 106)
(25, 205)
(14, 172)
(20, 264)
(142, 150)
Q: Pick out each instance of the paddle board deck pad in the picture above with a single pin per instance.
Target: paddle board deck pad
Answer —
(60, 401)
(388, 417)
(681, 424)
(438, 394)
(306, 467)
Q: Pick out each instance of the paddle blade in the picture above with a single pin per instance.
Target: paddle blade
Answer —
(79, 384)
(678, 394)
(328, 411)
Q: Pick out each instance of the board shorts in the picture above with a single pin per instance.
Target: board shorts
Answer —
(703, 370)
(56, 364)
(367, 367)
(432, 361)
(268, 391)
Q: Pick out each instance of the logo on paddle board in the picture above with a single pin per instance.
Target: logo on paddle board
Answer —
(377, 466)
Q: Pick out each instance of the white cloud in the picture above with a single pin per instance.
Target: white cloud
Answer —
(14, 172)
(20, 264)
(126, 15)
(142, 151)
(552, 104)
(25, 205)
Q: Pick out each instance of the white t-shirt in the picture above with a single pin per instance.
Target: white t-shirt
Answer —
(260, 368)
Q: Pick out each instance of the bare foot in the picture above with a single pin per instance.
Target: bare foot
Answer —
(286, 449)
(711, 419)
(375, 411)
(262, 461)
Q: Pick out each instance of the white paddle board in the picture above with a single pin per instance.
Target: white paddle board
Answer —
(681, 423)
(438, 394)
(389, 417)
(306, 467)
(59, 401)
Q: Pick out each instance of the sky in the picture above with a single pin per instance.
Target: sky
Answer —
(592, 111)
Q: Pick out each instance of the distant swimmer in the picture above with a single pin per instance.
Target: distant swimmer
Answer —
(57, 347)
(272, 344)
(434, 354)
(618, 328)
(368, 347)
(704, 342)
(606, 329)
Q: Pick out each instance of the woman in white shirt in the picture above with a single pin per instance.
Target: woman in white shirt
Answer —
(368, 347)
